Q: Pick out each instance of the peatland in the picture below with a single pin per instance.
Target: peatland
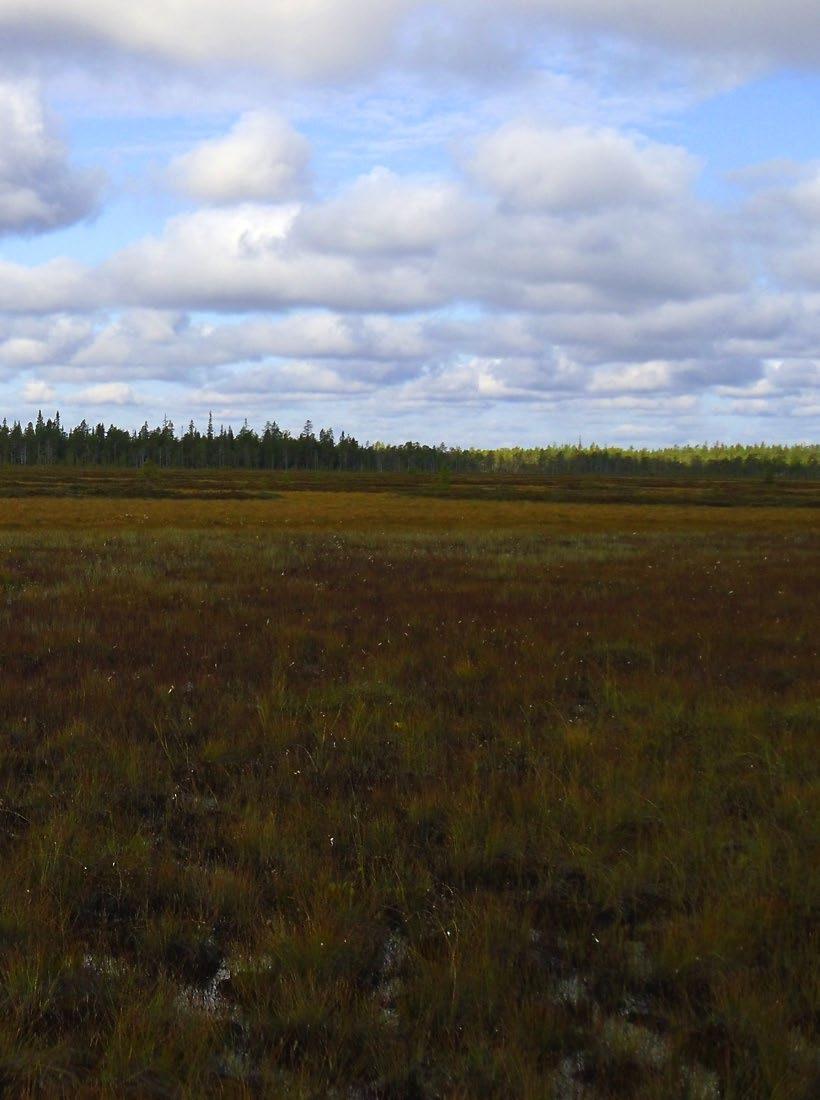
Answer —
(326, 786)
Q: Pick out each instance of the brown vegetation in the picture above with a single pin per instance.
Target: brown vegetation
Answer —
(405, 792)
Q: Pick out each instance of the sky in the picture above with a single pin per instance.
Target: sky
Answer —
(467, 221)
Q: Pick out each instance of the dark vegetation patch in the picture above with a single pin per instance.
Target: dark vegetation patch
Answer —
(158, 483)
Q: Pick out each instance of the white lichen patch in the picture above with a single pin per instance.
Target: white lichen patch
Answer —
(632, 1041)
(567, 1083)
(207, 998)
(570, 992)
(389, 984)
(104, 965)
(700, 1083)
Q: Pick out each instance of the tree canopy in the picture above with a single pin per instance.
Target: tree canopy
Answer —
(48, 442)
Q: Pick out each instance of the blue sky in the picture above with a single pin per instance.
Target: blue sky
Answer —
(482, 223)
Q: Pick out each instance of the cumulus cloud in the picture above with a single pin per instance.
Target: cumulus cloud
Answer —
(551, 266)
(574, 169)
(165, 345)
(51, 287)
(614, 259)
(246, 258)
(385, 213)
(615, 225)
(487, 358)
(262, 159)
(39, 190)
(35, 391)
(27, 341)
(108, 393)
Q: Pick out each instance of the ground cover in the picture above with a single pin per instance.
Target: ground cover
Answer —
(396, 789)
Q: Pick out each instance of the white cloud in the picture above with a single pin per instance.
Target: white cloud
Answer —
(385, 213)
(402, 243)
(245, 258)
(680, 375)
(262, 159)
(794, 375)
(804, 197)
(39, 190)
(617, 260)
(782, 220)
(55, 286)
(788, 31)
(413, 366)
(27, 341)
(575, 169)
(563, 267)
(321, 39)
(490, 357)
(163, 345)
(108, 393)
(35, 391)
(300, 38)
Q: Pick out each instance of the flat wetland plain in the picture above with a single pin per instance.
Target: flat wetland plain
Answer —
(381, 788)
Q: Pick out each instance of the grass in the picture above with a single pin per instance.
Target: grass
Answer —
(362, 792)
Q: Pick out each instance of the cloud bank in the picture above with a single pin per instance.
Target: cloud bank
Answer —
(327, 39)
(522, 280)
(473, 255)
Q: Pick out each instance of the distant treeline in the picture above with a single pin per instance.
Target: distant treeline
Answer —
(48, 442)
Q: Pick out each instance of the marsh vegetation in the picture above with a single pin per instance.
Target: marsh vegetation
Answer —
(407, 790)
